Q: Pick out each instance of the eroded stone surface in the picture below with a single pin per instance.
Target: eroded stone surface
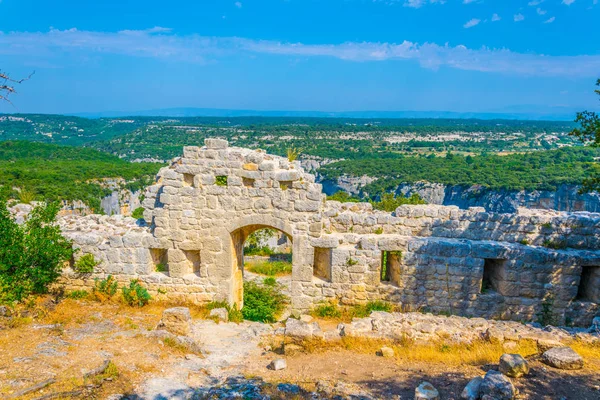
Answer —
(562, 358)
(513, 365)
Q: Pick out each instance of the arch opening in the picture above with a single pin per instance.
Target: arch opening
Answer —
(261, 254)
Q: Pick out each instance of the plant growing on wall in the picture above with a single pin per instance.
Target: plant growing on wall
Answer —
(135, 294)
(85, 264)
(221, 180)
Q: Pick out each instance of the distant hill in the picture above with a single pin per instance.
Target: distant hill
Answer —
(518, 113)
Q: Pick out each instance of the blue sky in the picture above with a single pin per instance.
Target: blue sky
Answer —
(328, 55)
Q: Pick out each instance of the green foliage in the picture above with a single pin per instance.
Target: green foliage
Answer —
(235, 315)
(351, 261)
(85, 264)
(293, 153)
(555, 244)
(589, 133)
(135, 295)
(389, 202)
(78, 294)
(541, 170)
(262, 303)
(160, 267)
(105, 288)
(327, 310)
(546, 314)
(254, 244)
(138, 213)
(364, 310)
(31, 255)
(270, 268)
(343, 197)
(53, 173)
(221, 180)
(270, 281)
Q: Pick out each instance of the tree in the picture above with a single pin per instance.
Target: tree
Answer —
(32, 254)
(589, 134)
(7, 85)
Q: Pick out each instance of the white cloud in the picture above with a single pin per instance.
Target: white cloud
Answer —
(159, 43)
(540, 11)
(568, 2)
(496, 17)
(550, 20)
(469, 1)
(238, 4)
(471, 23)
(420, 3)
(534, 3)
(519, 17)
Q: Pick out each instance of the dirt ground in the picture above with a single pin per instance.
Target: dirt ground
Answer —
(63, 343)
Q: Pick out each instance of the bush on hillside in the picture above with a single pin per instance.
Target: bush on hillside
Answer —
(262, 303)
(32, 254)
(135, 294)
(85, 264)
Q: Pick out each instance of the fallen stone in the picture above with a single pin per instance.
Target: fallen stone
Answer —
(4, 311)
(494, 335)
(471, 391)
(496, 386)
(306, 318)
(544, 345)
(386, 352)
(220, 314)
(513, 365)
(278, 364)
(562, 358)
(426, 391)
(176, 320)
(302, 330)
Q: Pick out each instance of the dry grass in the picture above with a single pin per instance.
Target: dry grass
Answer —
(477, 353)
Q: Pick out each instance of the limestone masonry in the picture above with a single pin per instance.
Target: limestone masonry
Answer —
(533, 265)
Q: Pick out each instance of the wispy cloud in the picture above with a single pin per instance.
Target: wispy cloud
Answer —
(519, 17)
(568, 2)
(471, 23)
(496, 17)
(238, 4)
(534, 3)
(550, 20)
(540, 11)
(161, 43)
(420, 3)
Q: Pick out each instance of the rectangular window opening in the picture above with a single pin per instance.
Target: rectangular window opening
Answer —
(322, 264)
(390, 267)
(159, 260)
(589, 284)
(193, 258)
(494, 271)
(285, 185)
(188, 179)
(248, 182)
(221, 180)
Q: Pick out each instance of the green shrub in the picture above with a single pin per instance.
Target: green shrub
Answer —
(160, 267)
(104, 289)
(555, 244)
(262, 303)
(235, 315)
(26, 196)
(270, 281)
(343, 197)
(85, 264)
(258, 251)
(327, 310)
(135, 294)
(270, 268)
(32, 255)
(221, 180)
(77, 294)
(389, 202)
(364, 310)
(138, 213)
(293, 153)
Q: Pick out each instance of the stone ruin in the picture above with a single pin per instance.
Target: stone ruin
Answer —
(440, 259)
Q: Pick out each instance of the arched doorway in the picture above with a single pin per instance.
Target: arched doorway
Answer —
(269, 248)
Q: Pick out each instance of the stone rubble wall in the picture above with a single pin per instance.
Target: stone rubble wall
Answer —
(205, 204)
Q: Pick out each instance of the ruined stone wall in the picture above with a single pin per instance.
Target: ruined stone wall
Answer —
(526, 266)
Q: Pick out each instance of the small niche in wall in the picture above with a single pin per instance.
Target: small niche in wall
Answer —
(494, 271)
(322, 264)
(159, 260)
(285, 185)
(248, 182)
(193, 257)
(221, 180)
(589, 284)
(390, 267)
(188, 180)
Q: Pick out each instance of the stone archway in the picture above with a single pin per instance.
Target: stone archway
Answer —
(238, 233)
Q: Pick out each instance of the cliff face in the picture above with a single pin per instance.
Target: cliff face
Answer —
(565, 198)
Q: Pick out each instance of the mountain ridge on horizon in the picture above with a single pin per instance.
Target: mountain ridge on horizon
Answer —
(560, 114)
